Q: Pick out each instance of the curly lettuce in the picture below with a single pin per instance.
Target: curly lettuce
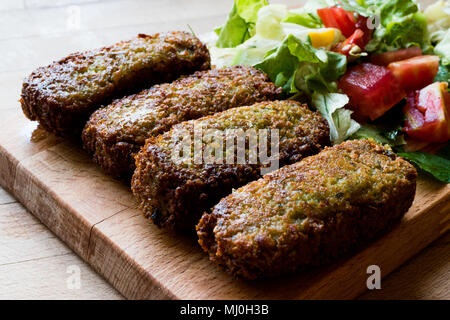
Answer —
(438, 19)
(402, 25)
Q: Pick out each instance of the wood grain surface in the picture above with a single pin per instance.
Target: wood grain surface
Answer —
(96, 216)
(34, 263)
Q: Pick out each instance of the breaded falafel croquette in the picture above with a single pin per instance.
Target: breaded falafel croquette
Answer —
(116, 133)
(310, 212)
(174, 194)
(64, 94)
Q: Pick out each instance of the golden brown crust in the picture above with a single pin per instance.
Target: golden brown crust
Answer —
(309, 213)
(174, 195)
(63, 95)
(114, 134)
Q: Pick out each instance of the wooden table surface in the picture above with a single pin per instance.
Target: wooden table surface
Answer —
(34, 264)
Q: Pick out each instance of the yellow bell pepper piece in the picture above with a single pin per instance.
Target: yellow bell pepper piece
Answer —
(322, 38)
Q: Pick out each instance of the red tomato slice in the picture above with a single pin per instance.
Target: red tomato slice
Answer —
(372, 90)
(415, 73)
(356, 39)
(428, 113)
(383, 59)
(338, 18)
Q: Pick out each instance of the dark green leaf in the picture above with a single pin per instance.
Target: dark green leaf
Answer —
(436, 165)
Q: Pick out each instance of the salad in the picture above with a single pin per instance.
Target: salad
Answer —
(374, 69)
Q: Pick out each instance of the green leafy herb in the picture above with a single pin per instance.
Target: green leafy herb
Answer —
(437, 165)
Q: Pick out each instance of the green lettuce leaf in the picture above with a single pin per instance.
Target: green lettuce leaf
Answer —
(306, 19)
(274, 23)
(297, 66)
(253, 51)
(248, 9)
(240, 23)
(396, 10)
(402, 25)
(359, 7)
(438, 19)
(268, 25)
(322, 78)
(407, 32)
(331, 106)
(442, 49)
(282, 63)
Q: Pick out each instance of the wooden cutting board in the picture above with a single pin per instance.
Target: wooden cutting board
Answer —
(97, 217)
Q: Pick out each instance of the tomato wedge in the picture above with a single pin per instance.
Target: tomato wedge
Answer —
(338, 18)
(356, 39)
(372, 90)
(415, 73)
(383, 59)
(428, 113)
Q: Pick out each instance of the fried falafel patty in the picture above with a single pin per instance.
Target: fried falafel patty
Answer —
(174, 193)
(114, 134)
(310, 212)
(64, 94)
